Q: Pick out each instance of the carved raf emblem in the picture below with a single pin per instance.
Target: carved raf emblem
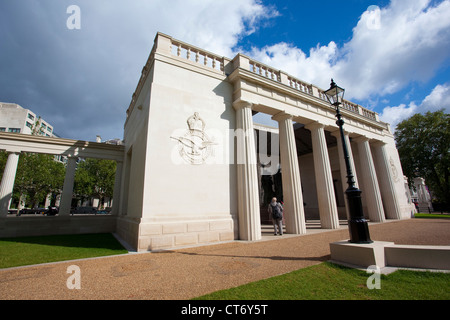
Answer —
(394, 170)
(195, 146)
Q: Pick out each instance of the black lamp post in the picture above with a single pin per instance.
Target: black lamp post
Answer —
(357, 225)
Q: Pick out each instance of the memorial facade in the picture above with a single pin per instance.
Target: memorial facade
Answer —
(195, 169)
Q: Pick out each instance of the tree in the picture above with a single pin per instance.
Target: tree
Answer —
(95, 177)
(423, 143)
(37, 176)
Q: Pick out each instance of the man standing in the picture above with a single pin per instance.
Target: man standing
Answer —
(276, 214)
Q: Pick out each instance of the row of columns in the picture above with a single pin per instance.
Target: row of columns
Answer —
(248, 205)
(9, 175)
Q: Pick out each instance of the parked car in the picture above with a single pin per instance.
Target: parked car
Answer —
(41, 210)
(83, 210)
(27, 211)
(51, 211)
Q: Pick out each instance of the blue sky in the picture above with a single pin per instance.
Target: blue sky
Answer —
(392, 56)
(309, 23)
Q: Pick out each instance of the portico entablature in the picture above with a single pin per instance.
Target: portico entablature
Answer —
(326, 118)
(272, 91)
(13, 142)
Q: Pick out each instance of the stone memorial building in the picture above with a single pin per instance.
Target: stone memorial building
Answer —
(194, 171)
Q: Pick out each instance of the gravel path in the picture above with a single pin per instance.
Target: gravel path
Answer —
(191, 272)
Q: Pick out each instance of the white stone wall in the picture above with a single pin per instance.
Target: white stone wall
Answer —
(179, 203)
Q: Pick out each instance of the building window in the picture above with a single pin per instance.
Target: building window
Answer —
(49, 129)
(44, 126)
(14, 130)
(29, 125)
(2, 129)
(30, 116)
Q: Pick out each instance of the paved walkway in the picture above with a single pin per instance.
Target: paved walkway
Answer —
(191, 272)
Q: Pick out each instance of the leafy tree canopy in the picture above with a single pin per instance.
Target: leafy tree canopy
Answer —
(95, 177)
(423, 143)
(37, 176)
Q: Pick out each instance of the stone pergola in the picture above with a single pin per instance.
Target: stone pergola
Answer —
(14, 144)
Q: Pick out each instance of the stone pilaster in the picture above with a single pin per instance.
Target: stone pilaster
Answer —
(7, 184)
(386, 181)
(324, 180)
(247, 175)
(370, 188)
(116, 192)
(292, 189)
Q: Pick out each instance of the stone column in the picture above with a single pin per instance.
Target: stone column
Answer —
(7, 184)
(117, 184)
(67, 193)
(324, 180)
(371, 189)
(387, 182)
(342, 166)
(290, 172)
(247, 175)
(48, 200)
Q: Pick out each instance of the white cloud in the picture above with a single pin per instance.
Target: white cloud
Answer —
(395, 115)
(215, 25)
(438, 99)
(407, 43)
(411, 43)
(309, 68)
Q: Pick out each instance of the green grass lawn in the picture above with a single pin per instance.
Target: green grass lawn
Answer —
(328, 281)
(432, 215)
(33, 250)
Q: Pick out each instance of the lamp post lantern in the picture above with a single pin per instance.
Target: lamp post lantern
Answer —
(357, 225)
